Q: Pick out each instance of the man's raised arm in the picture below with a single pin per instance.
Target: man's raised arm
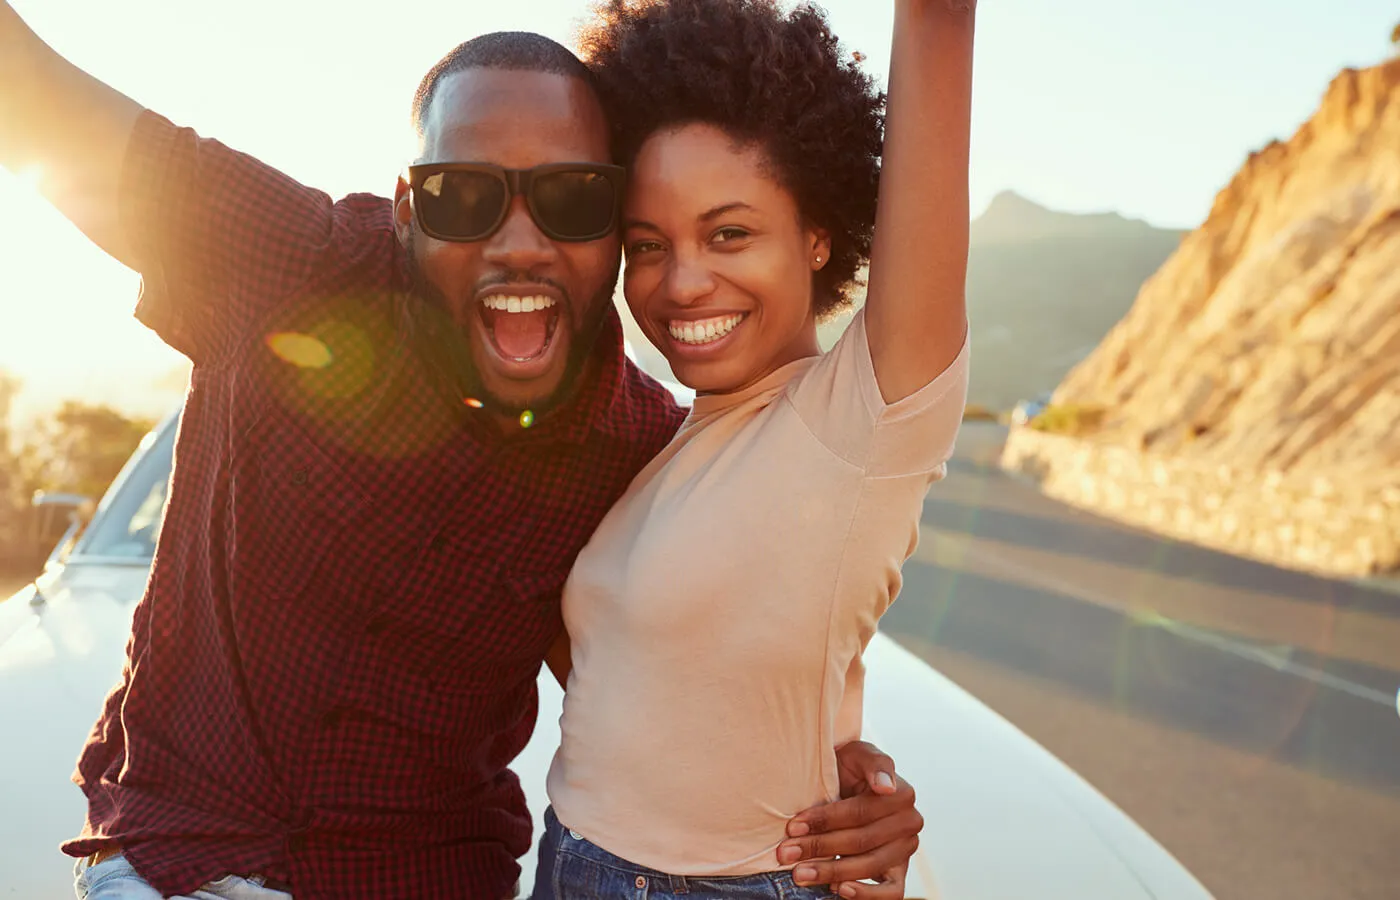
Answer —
(220, 239)
(73, 127)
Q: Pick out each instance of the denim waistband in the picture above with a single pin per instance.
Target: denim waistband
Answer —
(576, 844)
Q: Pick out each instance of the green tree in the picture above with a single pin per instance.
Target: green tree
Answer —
(81, 448)
(9, 389)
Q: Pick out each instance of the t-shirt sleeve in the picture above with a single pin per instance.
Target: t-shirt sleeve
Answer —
(840, 402)
(220, 239)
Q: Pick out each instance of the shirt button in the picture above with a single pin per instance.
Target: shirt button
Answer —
(299, 476)
(641, 882)
(438, 544)
(575, 835)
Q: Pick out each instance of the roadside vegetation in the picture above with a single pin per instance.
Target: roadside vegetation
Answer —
(78, 448)
(1072, 420)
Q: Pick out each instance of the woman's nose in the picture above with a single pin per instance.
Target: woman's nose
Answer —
(689, 281)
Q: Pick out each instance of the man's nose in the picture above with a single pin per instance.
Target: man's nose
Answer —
(519, 244)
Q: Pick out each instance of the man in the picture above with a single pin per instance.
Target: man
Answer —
(405, 420)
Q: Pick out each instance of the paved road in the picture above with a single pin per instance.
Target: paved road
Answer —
(1244, 714)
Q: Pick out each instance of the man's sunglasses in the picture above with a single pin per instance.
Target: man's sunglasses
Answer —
(470, 201)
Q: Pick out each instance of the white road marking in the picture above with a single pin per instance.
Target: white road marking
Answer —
(1276, 659)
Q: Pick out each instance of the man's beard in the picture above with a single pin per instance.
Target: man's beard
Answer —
(451, 343)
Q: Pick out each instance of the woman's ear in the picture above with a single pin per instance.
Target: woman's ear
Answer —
(821, 248)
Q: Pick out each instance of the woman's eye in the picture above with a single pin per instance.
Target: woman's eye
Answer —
(729, 234)
(642, 247)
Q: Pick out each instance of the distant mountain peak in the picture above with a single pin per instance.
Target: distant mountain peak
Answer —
(1010, 203)
(1013, 217)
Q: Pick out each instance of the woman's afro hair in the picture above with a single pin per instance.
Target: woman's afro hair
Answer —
(769, 76)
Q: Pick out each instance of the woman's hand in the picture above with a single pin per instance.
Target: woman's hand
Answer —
(868, 835)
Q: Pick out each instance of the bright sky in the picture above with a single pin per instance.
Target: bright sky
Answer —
(1143, 107)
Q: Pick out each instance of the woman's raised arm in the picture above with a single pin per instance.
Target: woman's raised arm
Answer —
(915, 314)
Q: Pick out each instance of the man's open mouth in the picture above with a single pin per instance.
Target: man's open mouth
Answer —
(520, 328)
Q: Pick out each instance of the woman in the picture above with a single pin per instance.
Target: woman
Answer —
(725, 601)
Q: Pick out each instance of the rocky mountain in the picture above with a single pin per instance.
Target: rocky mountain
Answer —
(1044, 287)
(1271, 338)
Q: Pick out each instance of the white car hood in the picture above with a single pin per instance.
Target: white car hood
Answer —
(1005, 819)
(58, 661)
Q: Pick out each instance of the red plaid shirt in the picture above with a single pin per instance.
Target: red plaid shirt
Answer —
(356, 582)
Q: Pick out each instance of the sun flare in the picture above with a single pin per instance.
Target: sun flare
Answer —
(30, 178)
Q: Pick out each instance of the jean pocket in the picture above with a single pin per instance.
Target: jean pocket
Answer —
(577, 877)
(791, 890)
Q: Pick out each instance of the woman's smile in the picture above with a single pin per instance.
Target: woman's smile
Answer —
(700, 332)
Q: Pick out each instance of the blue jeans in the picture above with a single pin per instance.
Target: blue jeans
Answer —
(115, 879)
(571, 868)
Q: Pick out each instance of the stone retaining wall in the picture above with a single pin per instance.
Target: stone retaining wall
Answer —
(1341, 524)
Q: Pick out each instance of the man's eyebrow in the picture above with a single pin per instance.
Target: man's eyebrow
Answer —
(706, 216)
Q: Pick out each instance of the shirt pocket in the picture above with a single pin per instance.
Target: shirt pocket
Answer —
(302, 504)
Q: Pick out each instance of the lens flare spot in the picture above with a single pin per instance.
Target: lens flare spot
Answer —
(300, 350)
(474, 403)
(527, 418)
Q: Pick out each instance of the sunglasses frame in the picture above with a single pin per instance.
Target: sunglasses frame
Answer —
(518, 182)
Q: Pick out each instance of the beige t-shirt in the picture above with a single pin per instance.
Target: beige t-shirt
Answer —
(719, 613)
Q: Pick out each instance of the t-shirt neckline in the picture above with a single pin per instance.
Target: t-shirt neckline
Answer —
(773, 382)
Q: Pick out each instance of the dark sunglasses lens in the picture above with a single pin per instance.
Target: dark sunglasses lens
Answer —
(462, 205)
(575, 204)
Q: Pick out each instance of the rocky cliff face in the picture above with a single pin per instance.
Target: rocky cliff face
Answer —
(1271, 338)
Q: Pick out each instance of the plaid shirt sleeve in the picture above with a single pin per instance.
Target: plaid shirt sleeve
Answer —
(219, 238)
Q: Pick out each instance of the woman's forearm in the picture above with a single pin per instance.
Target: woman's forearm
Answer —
(915, 314)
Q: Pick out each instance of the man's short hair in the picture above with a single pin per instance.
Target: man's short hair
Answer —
(521, 51)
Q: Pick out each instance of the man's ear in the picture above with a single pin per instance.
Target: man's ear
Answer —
(403, 211)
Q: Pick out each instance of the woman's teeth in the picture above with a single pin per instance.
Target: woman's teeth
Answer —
(705, 331)
(504, 303)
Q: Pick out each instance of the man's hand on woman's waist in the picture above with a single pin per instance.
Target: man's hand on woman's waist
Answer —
(869, 834)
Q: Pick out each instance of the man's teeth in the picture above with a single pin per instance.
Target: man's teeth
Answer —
(507, 303)
(704, 331)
